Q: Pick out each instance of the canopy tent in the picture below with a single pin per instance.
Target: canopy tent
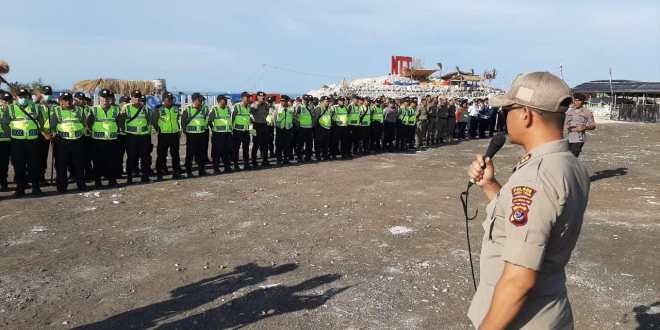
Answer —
(620, 87)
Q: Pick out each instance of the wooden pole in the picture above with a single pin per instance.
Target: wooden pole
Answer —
(613, 100)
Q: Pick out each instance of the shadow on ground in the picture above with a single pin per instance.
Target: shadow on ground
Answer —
(249, 308)
(608, 174)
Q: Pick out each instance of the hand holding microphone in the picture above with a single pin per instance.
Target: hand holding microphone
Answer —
(481, 170)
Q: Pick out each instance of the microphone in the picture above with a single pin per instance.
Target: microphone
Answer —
(496, 143)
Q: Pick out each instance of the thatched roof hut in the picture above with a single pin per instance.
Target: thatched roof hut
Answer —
(125, 87)
(418, 74)
(4, 67)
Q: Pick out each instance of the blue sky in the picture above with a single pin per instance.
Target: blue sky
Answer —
(222, 45)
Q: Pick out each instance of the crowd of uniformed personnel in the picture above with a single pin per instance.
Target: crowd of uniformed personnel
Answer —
(91, 142)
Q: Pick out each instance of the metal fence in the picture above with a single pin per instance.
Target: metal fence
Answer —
(649, 113)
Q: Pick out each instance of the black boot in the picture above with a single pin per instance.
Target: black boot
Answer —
(20, 191)
(36, 191)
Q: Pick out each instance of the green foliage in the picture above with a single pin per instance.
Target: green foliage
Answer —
(34, 87)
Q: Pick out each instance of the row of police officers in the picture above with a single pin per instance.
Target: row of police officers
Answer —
(90, 142)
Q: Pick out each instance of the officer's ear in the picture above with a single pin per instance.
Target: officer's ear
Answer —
(527, 117)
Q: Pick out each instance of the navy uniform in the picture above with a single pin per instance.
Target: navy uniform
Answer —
(80, 101)
(167, 121)
(107, 151)
(194, 121)
(135, 119)
(284, 131)
(402, 128)
(5, 138)
(68, 128)
(304, 124)
(241, 120)
(354, 125)
(221, 137)
(322, 129)
(121, 137)
(45, 103)
(26, 124)
(341, 139)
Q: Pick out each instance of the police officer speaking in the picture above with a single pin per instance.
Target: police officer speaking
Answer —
(533, 221)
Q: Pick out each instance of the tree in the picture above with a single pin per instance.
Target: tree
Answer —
(34, 87)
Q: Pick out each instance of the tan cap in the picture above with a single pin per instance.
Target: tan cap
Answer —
(539, 90)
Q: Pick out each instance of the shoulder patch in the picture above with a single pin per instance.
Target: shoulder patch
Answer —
(521, 201)
(523, 191)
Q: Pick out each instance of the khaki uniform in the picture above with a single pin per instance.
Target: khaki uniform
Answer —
(534, 222)
(442, 123)
(422, 125)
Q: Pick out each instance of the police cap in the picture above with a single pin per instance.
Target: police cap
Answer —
(197, 96)
(24, 92)
(4, 95)
(106, 93)
(66, 96)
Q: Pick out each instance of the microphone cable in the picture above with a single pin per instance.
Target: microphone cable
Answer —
(464, 197)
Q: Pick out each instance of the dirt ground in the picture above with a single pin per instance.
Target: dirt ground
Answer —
(377, 242)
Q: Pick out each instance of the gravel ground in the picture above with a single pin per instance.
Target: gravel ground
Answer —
(373, 243)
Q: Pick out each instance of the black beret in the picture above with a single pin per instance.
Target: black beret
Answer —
(245, 94)
(196, 96)
(285, 98)
(221, 97)
(47, 90)
(261, 93)
(79, 95)
(136, 94)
